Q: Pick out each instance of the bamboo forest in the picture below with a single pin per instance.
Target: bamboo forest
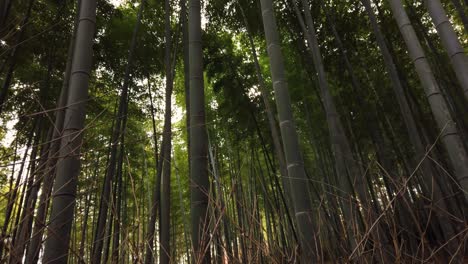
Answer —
(233, 131)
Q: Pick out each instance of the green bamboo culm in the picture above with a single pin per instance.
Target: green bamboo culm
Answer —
(295, 165)
(68, 166)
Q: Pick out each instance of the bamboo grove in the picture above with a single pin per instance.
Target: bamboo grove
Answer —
(233, 131)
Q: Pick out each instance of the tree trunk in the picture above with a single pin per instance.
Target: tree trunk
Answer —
(449, 132)
(89, 197)
(185, 50)
(118, 202)
(269, 110)
(33, 250)
(38, 166)
(340, 146)
(156, 195)
(12, 196)
(68, 168)
(183, 212)
(298, 179)
(199, 182)
(22, 212)
(24, 230)
(450, 42)
(165, 249)
(431, 190)
(389, 168)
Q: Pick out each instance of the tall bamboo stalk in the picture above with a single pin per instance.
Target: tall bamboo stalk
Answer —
(68, 167)
(450, 42)
(449, 131)
(199, 182)
(298, 180)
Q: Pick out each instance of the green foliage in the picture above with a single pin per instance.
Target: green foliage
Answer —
(237, 124)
